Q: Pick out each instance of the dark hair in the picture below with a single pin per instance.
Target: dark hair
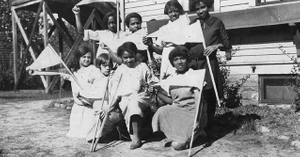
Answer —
(132, 15)
(129, 47)
(193, 3)
(106, 17)
(179, 51)
(81, 51)
(175, 4)
(104, 58)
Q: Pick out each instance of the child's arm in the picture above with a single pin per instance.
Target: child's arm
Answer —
(164, 96)
(152, 47)
(113, 56)
(76, 11)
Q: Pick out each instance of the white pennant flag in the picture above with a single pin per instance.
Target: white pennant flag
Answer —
(46, 59)
(180, 33)
(192, 78)
(84, 2)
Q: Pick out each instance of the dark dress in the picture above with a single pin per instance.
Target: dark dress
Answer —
(176, 120)
(214, 33)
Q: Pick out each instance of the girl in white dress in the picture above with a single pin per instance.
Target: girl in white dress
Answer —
(82, 114)
(132, 98)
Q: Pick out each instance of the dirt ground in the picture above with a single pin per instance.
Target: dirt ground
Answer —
(32, 128)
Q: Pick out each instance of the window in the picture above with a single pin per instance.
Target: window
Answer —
(275, 89)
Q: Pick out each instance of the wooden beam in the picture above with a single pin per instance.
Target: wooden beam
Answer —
(122, 14)
(15, 49)
(27, 4)
(29, 44)
(99, 20)
(52, 29)
(64, 27)
(74, 47)
(46, 39)
(17, 20)
(60, 29)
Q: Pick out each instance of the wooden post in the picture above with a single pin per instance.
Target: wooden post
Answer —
(94, 42)
(15, 48)
(118, 18)
(122, 13)
(45, 32)
(17, 21)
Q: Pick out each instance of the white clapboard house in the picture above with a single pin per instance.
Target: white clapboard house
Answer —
(264, 37)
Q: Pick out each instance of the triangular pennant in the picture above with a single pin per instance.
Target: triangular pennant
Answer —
(192, 78)
(46, 59)
(85, 2)
(173, 33)
(137, 39)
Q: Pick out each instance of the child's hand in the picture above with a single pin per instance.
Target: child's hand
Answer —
(104, 46)
(210, 49)
(65, 76)
(102, 113)
(76, 10)
(147, 41)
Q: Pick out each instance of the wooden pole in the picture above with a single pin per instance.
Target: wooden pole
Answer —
(118, 19)
(122, 12)
(15, 49)
(107, 114)
(45, 32)
(17, 20)
(198, 109)
(210, 70)
(94, 53)
(99, 117)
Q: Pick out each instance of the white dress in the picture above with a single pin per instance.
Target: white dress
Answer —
(82, 117)
(166, 68)
(134, 100)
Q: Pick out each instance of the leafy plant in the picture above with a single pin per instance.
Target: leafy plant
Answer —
(232, 96)
(296, 83)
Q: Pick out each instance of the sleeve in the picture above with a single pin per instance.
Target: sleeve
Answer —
(224, 38)
(93, 35)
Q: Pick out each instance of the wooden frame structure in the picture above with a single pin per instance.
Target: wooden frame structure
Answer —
(64, 36)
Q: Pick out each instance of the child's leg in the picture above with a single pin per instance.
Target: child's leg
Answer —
(135, 135)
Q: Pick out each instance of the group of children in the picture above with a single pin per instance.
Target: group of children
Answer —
(118, 86)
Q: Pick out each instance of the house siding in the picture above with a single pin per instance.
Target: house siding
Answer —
(253, 57)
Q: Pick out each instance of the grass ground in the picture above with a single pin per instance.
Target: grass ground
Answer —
(32, 127)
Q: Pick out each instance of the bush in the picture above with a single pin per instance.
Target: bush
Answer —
(232, 97)
(6, 79)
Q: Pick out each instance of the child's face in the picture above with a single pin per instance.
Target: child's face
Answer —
(112, 24)
(134, 24)
(85, 60)
(180, 63)
(173, 13)
(202, 10)
(105, 69)
(128, 59)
